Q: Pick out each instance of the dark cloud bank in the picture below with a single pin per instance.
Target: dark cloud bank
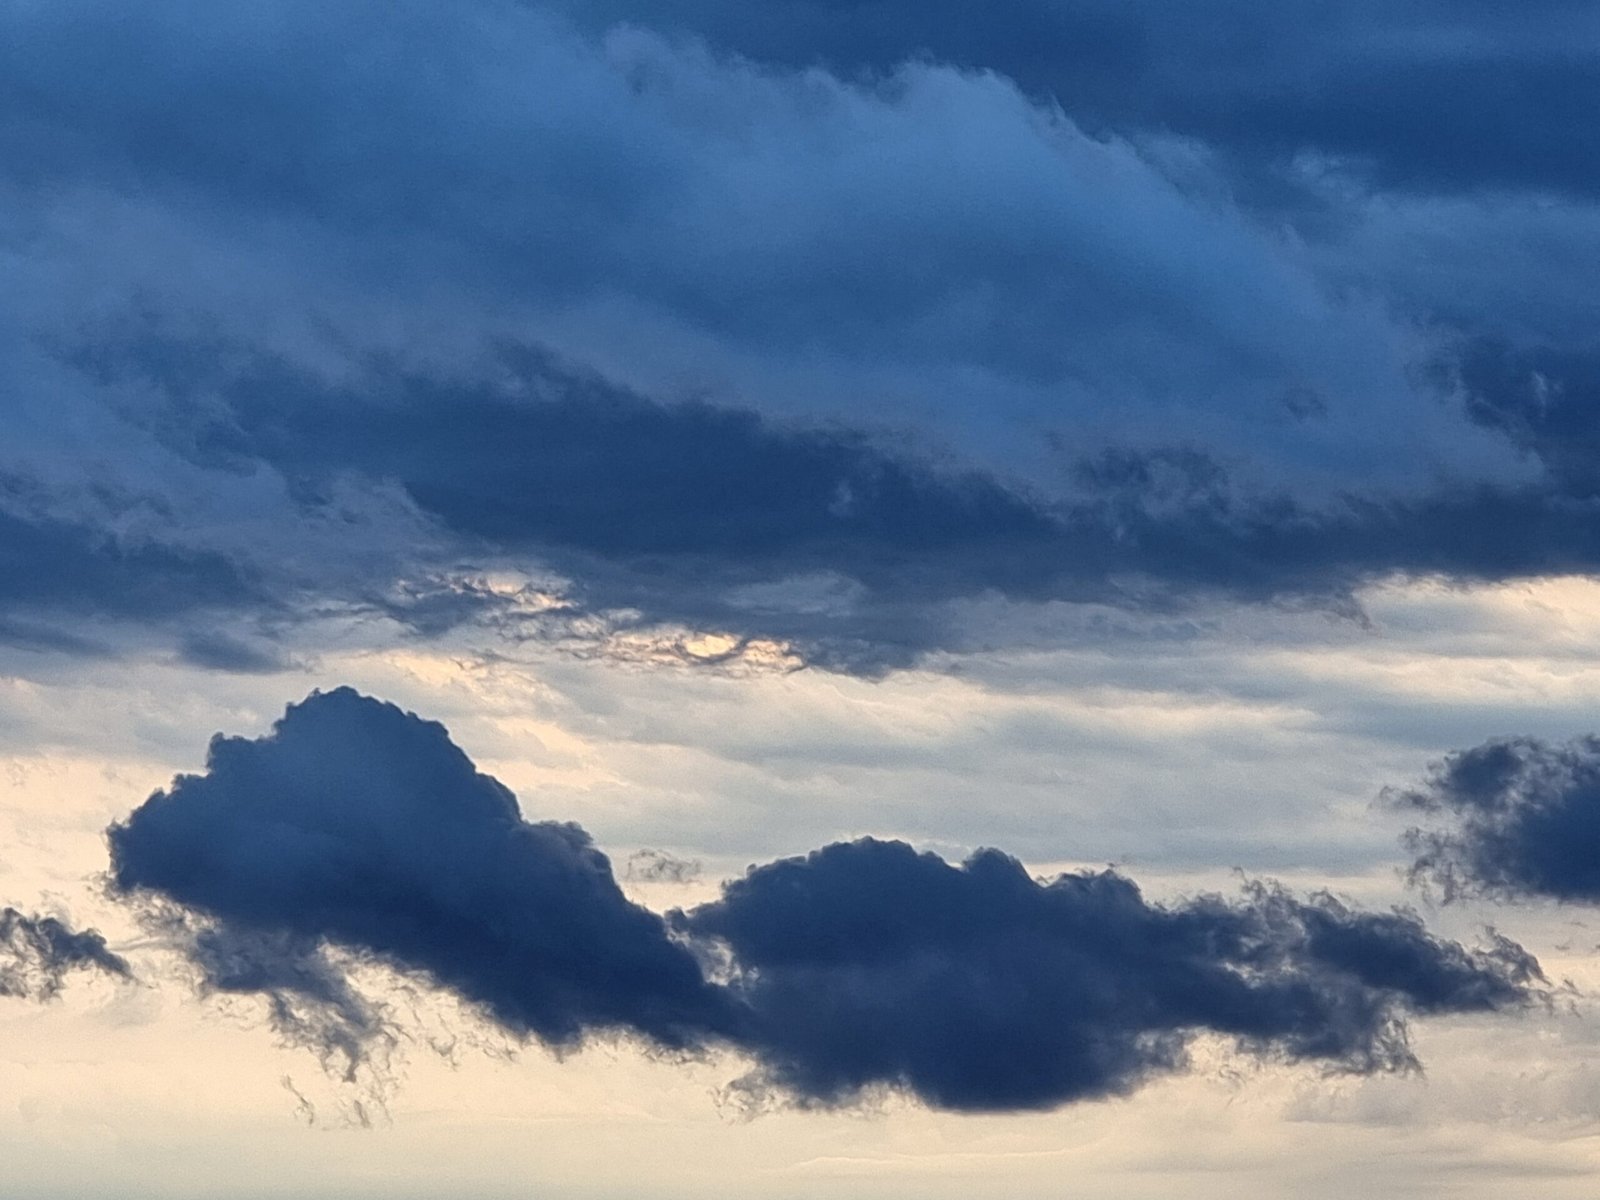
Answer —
(722, 518)
(751, 203)
(357, 831)
(52, 568)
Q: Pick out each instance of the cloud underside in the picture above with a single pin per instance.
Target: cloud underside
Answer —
(355, 832)
(864, 335)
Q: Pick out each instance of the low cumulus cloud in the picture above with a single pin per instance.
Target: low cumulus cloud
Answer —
(355, 832)
(1515, 818)
(360, 825)
(38, 953)
(978, 987)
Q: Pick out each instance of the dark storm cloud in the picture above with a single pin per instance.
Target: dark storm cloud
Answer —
(534, 454)
(38, 953)
(1266, 548)
(354, 829)
(43, 638)
(978, 987)
(1516, 817)
(923, 253)
(1424, 94)
(220, 652)
(718, 518)
(363, 825)
(80, 586)
(665, 508)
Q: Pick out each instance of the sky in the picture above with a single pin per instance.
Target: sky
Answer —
(835, 597)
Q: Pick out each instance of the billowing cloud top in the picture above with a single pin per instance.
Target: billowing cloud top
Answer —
(360, 824)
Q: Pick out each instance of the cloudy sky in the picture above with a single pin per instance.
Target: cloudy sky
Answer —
(823, 598)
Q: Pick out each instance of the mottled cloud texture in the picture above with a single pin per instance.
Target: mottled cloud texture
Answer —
(978, 987)
(813, 327)
(358, 828)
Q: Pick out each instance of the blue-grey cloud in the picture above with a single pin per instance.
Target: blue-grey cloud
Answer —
(672, 510)
(220, 652)
(999, 273)
(61, 580)
(51, 566)
(717, 517)
(355, 830)
(38, 953)
(1512, 818)
(1545, 398)
(1426, 95)
(826, 350)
